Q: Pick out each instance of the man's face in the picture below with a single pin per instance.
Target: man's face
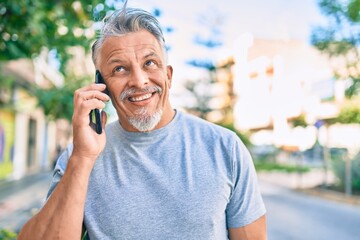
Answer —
(136, 75)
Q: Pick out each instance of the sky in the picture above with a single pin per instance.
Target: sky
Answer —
(266, 19)
(269, 19)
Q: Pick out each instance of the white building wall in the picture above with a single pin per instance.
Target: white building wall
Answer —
(20, 145)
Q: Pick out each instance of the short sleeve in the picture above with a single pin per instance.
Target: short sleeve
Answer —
(246, 204)
(59, 169)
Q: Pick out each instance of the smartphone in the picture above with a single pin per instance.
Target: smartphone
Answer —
(95, 116)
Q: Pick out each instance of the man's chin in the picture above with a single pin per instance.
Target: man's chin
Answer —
(145, 122)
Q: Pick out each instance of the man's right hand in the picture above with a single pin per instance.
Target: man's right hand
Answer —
(63, 214)
(87, 143)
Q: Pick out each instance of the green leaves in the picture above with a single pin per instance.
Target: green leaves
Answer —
(26, 26)
(340, 40)
(354, 10)
(7, 234)
(57, 102)
(349, 114)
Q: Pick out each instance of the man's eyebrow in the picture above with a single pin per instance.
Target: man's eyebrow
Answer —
(151, 54)
(115, 60)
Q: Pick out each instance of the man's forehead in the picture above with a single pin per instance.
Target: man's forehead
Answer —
(139, 44)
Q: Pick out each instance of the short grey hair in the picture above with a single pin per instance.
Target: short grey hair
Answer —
(124, 21)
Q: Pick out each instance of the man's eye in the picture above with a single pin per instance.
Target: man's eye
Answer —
(149, 63)
(119, 69)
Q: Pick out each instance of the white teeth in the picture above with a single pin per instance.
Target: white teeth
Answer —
(140, 98)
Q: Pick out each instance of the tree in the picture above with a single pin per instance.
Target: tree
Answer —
(56, 102)
(29, 26)
(210, 39)
(349, 113)
(26, 26)
(340, 40)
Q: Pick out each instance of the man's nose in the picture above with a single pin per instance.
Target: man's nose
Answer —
(139, 78)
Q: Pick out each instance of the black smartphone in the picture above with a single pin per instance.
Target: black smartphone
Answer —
(95, 117)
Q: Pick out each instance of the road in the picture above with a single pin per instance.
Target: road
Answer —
(19, 200)
(291, 215)
(295, 216)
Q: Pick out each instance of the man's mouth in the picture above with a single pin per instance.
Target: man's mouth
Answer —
(138, 95)
(140, 98)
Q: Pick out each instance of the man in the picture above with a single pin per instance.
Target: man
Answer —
(157, 173)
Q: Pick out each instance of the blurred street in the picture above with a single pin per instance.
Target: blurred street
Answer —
(291, 215)
(19, 200)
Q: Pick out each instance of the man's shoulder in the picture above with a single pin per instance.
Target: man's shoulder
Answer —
(64, 157)
(198, 124)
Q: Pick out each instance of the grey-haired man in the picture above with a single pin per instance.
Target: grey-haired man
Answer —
(157, 173)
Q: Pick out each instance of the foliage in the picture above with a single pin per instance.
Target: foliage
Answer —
(26, 26)
(299, 121)
(206, 64)
(340, 40)
(338, 163)
(208, 37)
(269, 166)
(348, 114)
(196, 88)
(6, 90)
(57, 102)
(7, 235)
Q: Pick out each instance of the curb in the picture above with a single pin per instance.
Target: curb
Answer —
(332, 195)
(308, 183)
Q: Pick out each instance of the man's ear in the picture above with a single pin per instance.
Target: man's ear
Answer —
(169, 73)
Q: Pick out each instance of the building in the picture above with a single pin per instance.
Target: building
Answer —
(275, 81)
(28, 141)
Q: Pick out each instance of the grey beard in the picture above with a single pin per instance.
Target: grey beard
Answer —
(141, 120)
(144, 122)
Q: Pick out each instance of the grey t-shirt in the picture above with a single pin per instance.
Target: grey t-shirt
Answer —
(188, 180)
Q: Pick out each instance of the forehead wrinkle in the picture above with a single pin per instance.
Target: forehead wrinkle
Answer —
(117, 56)
(151, 54)
(142, 53)
(114, 47)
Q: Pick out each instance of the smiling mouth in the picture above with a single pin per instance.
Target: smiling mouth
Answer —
(136, 95)
(140, 98)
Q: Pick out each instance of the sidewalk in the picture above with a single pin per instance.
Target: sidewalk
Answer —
(21, 199)
(308, 183)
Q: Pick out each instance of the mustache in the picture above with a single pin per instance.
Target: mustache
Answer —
(149, 89)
